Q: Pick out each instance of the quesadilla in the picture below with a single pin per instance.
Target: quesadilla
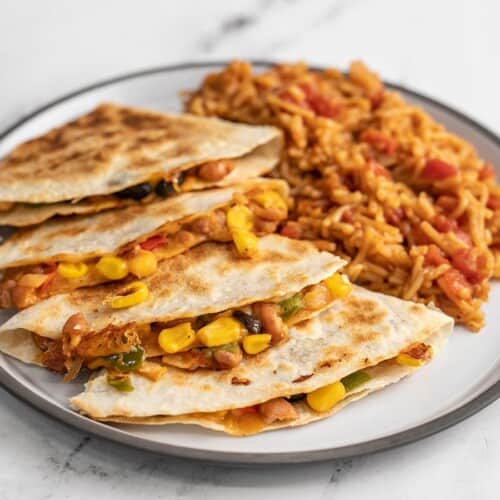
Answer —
(360, 344)
(194, 312)
(117, 155)
(74, 252)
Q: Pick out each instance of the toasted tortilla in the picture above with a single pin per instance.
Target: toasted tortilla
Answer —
(250, 166)
(365, 331)
(208, 278)
(114, 147)
(80, 238)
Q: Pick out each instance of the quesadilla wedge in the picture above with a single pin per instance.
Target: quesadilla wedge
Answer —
(362, 343)
(74, 252)
(117, 155)
(194, 312)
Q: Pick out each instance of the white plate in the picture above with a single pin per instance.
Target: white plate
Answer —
(462, 380)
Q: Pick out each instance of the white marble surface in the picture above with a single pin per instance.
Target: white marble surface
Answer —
(448, 49)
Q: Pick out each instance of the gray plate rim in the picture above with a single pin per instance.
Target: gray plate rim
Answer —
(68, 417)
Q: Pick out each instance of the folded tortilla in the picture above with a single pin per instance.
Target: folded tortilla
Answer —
(116, 147)
(207, 279)
(364, 331)
(116, 232)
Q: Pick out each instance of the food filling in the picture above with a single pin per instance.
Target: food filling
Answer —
(253, 419)
(158, 187)
(217, 341)
(256, 213)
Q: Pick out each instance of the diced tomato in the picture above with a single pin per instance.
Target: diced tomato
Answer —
(462, 220)
(452, 282)
(486, 172)
(285, 95)
(444, 224)
(153, 242)
(347, 216)
(471, 264)
(292, 230)
(379, 169)
(350, 181)
(447, 203)
(321, 104)
(493, 202)
(437, 170)
(420, 237)
(434, 256)
(395, 216)
(377, 98)
(379, 141)
(46, 284)
(49, 267)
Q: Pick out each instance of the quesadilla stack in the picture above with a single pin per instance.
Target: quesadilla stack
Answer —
(194, 312)
(238, 346)
(361, 344)
(73, 252)
(116, 156)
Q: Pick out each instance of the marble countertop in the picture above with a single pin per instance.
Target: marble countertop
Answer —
(447, 49)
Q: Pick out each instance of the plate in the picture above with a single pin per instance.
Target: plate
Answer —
(464, 378)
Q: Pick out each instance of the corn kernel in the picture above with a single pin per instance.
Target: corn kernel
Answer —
(270, 199)
(406, 360)
(224, 330)
(143, 264)
(135, 293)
(253, 344)
(325, 398)
(247, 244)
(71, 270)
(177, 338)
(338, 285)
(239, 218)
(112, 267)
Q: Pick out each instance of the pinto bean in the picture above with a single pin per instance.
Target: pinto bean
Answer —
(184, 237)
(226, 359)
(6, 293)
(213, 225)
(214, 171)
(201, 224)
(271, 321)
(23, 296)
(73, 330)
(277, 410)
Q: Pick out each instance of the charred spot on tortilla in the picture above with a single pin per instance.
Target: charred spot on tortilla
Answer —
(302, 378)
(240, 381)
(362, 311)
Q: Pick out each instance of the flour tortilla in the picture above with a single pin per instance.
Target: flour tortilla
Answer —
(206, 279)
(258, 162)
(363, 331)
(80, 238)
(114, 147)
